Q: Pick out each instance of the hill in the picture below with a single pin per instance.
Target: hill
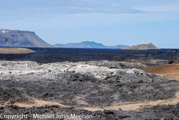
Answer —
(16, 38)
(142, 47)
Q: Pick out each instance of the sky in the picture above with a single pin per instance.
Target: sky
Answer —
(111, 22)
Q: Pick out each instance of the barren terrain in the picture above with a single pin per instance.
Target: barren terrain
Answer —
(15, 51)
(136, 89)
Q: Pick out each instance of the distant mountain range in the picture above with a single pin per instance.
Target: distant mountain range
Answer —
(16, 38)
(88, 44)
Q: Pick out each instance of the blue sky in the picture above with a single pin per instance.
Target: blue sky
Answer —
(110, 22)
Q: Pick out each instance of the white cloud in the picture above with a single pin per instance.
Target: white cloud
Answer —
(86, 12)
(169, 8)
(115, 6)
(87, 6)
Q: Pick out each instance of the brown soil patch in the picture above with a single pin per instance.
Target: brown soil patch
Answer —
(173, 77)
(35, 103)
(136, 106)
(135, 62)
(167, 69)
(15, 51)
(126, 106)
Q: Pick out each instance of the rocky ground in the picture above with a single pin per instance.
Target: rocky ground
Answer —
(99, 90)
